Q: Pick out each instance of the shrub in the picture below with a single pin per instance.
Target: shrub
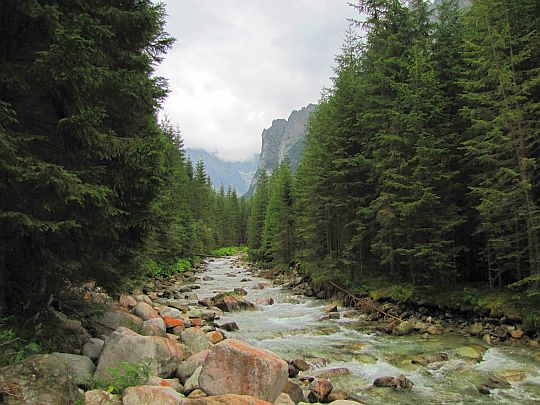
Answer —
(122, 377)
(229, 251)
(12, 348)
(154, 269)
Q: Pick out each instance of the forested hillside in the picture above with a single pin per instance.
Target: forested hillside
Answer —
(92, 187)
(421, 163)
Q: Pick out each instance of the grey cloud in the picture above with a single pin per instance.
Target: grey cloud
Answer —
(239, 64)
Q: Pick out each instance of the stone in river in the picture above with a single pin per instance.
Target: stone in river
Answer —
(319, 390)
(230, 326)
(265, 301)
(240, 291)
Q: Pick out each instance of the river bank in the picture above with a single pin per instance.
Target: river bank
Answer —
(203, 343)
(432, 314)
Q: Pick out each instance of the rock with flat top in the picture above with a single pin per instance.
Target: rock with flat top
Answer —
(124, 345)
(19, 383)
(188, 367)
(145, 311)
(235, 367)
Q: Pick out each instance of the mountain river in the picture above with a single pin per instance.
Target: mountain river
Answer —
(291, 328)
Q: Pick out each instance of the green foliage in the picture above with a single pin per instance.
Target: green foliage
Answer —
(12, 348)
(229, 251)
(163, 271)
(122, 377)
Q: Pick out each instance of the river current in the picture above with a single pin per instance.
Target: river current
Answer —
(291, 328)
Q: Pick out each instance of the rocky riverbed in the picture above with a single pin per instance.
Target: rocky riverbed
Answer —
(224, 335)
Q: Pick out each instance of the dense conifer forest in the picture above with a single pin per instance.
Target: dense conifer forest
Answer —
(93, 187)
(420, 167)
(421, 163)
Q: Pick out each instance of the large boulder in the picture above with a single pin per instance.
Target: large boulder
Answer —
(403, 328)
(55, 385)
(82, 367)
(229, 399)
(145, 311)
(151, 394)
(124, 345)
(231, 302)
(188, 367)
(195, 339)
(93, 348)
(234, 367)
(115, 318)
(154, 327)
(294, 391)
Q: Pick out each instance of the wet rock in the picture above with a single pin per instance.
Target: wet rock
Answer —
(402, 383)
(293, 371)
(294, 391)
(300, 364)
(438, 358)
(334, 315)
(319, 390)
(82, 367)
(483, 389)
(151, 394)
(241, 291)
(55, 384)
(337, 395)
(487, 338)
(434, 330)
(230, 326)
(231, 302)
(333, 372)
(125, 345)
(385, 381)
(188, 367)
(403, 328)
(93, 348)
(330, 308)
(233, 366)
(262, 285)
(476, 328)
(265, 301)
(469, 352)
(195, 339)
(208, 278)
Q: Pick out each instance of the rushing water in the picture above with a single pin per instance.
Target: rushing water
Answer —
(291, 328)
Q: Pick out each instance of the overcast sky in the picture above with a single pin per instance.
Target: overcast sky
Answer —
(238, 64)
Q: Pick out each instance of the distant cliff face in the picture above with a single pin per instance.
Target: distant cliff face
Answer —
(284, 139)
(235, 174)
